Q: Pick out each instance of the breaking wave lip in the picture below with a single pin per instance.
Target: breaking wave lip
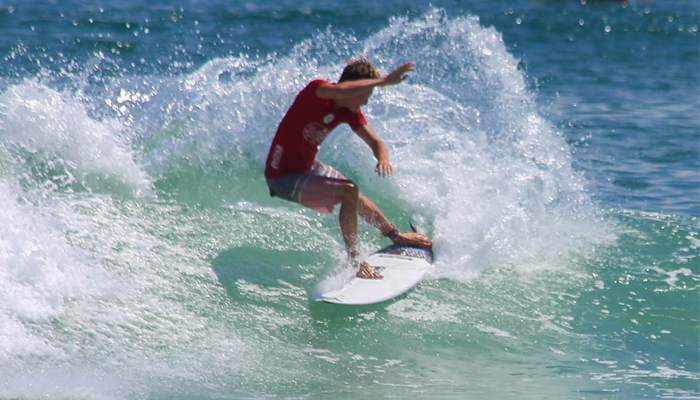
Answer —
(476, 163)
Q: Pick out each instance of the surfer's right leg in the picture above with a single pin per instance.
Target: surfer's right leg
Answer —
(322, 193)
(347, 194)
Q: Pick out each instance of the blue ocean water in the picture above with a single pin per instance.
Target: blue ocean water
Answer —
(551, 149)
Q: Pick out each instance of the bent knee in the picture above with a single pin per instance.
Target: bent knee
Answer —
(348, 190)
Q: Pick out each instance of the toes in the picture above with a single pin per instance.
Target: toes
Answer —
(366, 272)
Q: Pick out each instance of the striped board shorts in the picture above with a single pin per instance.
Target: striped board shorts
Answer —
(315, 190)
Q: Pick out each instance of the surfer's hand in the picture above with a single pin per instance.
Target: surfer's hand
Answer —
(413, 239)
(384, 169)
(366, 271)
(399, 74)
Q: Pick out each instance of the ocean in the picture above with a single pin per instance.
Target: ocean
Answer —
(550, 148)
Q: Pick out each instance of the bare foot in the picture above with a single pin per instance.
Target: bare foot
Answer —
(367, 272)
(413, 239)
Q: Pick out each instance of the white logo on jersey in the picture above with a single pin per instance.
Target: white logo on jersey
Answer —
(314, 133)
(328, 119)
(276, 157)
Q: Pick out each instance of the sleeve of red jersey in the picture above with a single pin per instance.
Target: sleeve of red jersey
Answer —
(357, 120)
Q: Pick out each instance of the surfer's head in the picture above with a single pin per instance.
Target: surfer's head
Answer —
(361, 68)
(355, 70)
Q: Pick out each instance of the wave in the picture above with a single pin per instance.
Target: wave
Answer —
(478, 166)
(140, 182)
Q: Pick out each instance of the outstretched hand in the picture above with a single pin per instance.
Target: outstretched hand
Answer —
(399, 74)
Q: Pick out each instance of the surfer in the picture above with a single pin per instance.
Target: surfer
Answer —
(293, 173)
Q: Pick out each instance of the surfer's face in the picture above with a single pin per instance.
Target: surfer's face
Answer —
(354, 103)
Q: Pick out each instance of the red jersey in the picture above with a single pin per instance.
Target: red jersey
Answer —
(302, 130)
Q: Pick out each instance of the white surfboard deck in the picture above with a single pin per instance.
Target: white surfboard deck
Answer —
(402, 267)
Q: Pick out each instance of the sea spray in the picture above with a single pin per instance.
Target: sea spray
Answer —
(473, 155)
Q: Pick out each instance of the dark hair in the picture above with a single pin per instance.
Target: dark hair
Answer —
(362, 68)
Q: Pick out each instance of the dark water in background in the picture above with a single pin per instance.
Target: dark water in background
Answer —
(550, 148)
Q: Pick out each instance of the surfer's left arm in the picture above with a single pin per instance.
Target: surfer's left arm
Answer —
(381, 153)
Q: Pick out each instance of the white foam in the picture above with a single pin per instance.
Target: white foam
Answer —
(39, 272)
(54, 127)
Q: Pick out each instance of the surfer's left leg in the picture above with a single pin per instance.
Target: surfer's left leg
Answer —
(374, 216)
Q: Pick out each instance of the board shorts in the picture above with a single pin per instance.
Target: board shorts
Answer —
(315, 190)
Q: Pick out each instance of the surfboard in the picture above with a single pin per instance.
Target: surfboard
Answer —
(402, 267)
